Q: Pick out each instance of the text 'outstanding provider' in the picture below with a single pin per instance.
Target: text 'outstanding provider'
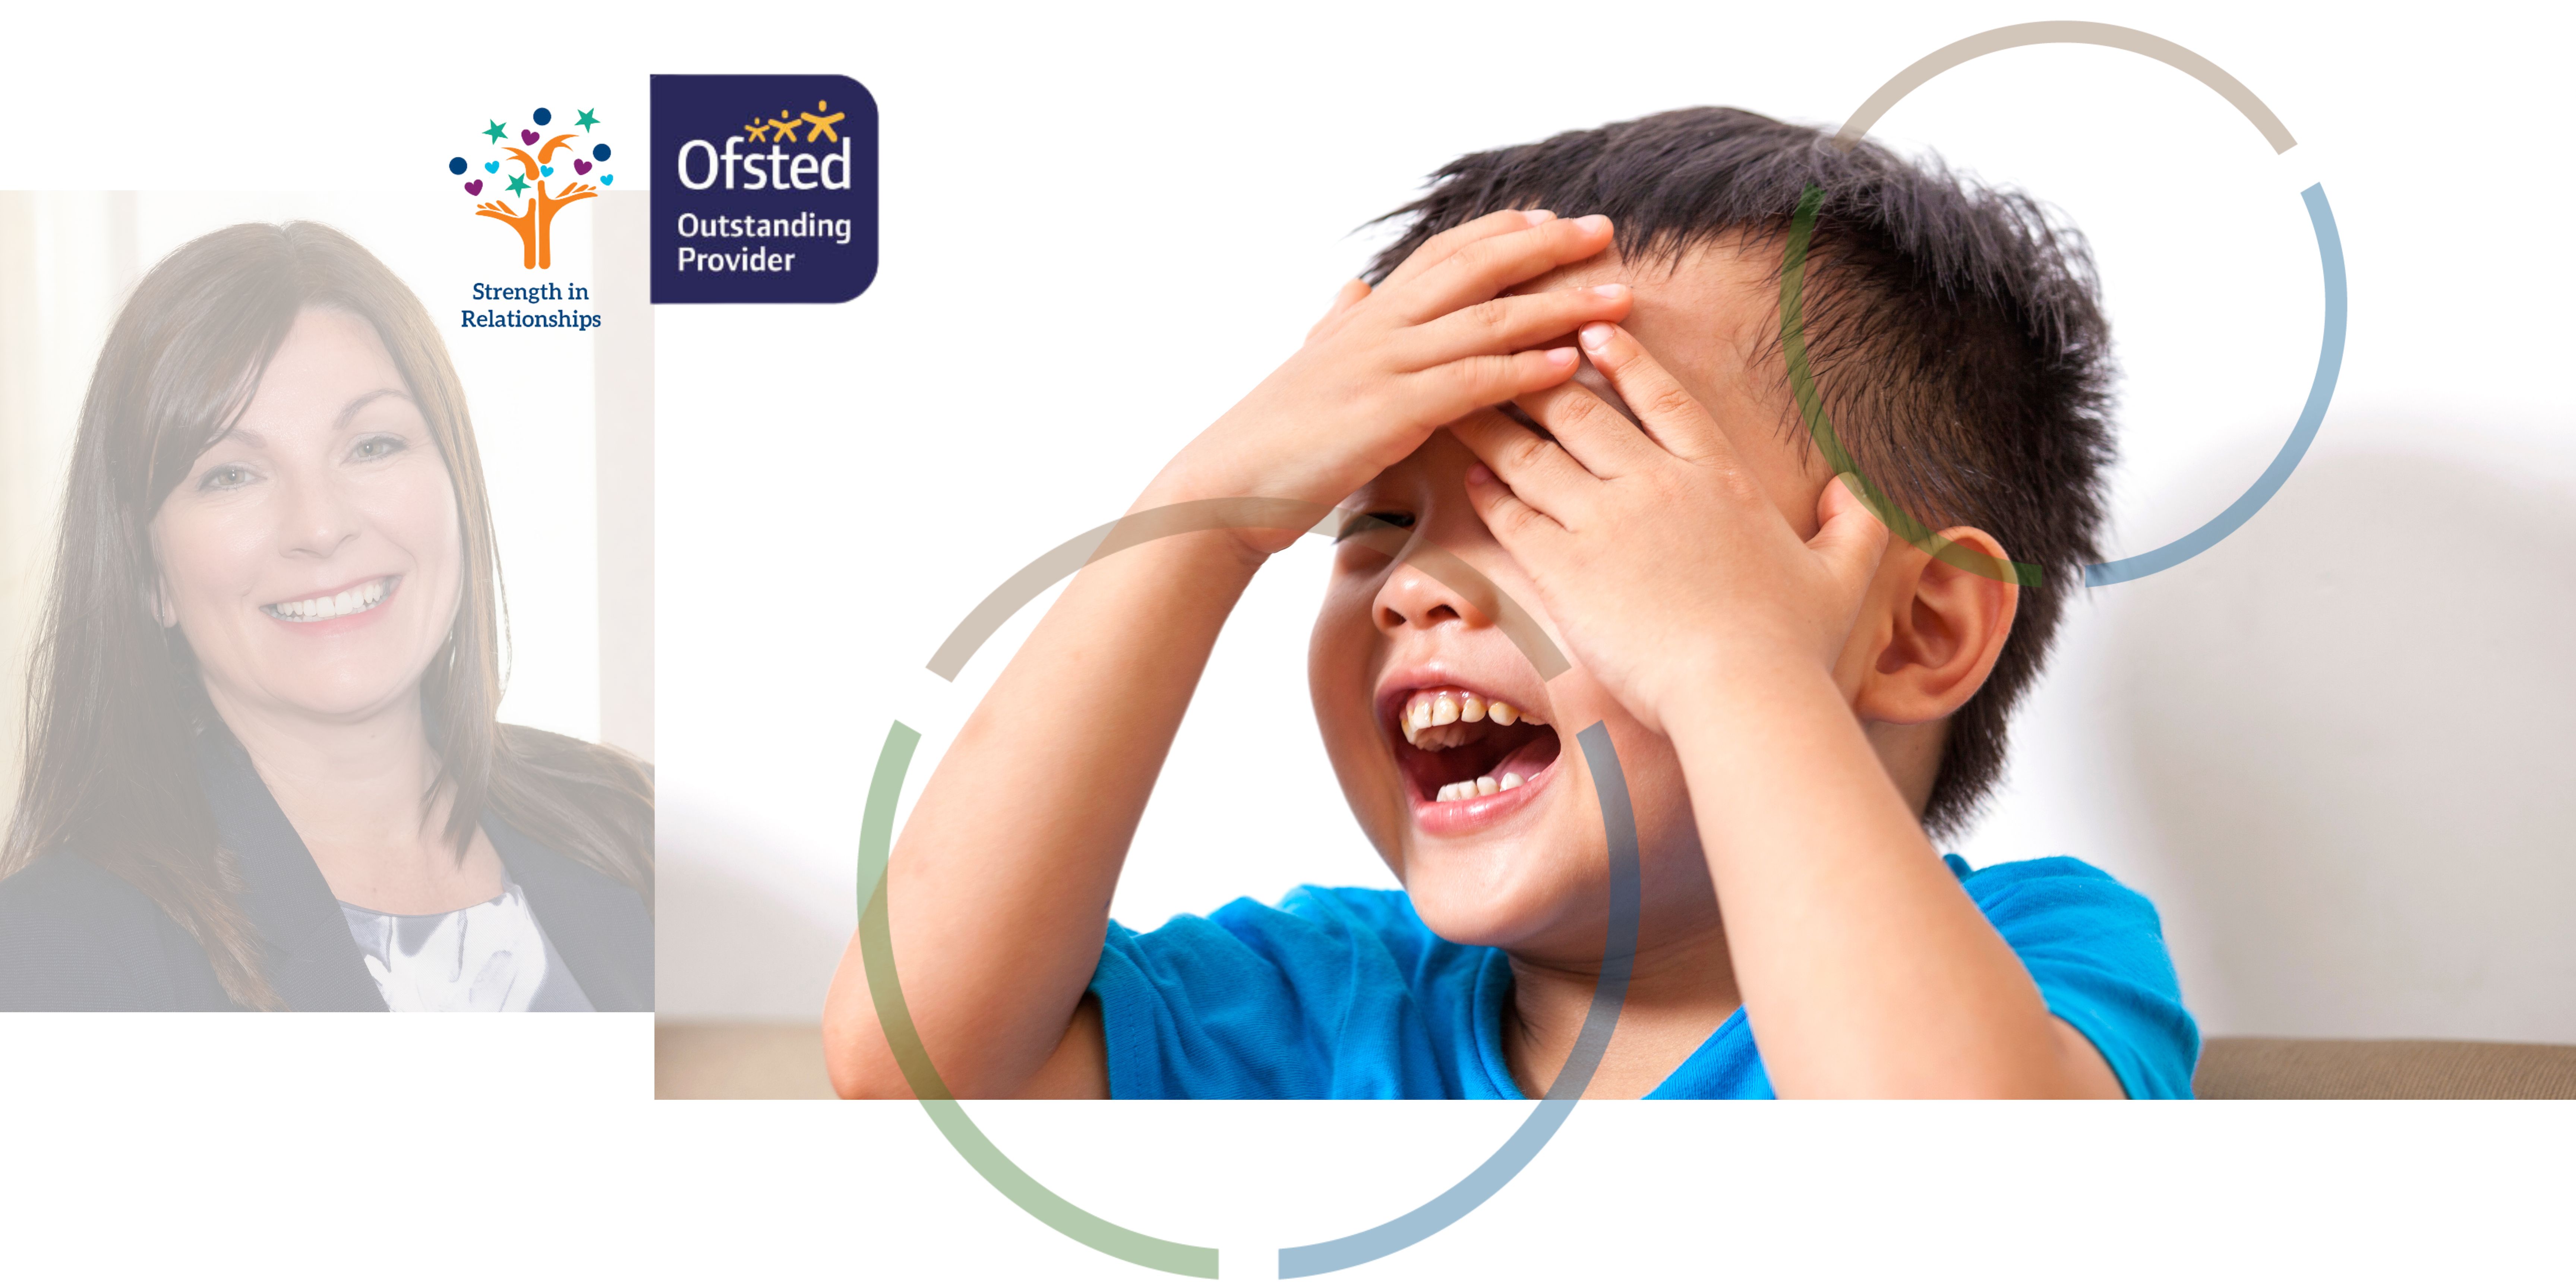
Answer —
(744, 258)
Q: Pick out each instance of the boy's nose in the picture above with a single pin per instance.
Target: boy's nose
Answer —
(1413, 597)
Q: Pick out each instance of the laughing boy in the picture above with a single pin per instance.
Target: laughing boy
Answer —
(1594, 413)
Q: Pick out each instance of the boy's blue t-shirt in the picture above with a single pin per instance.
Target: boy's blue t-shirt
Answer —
(1344, 993)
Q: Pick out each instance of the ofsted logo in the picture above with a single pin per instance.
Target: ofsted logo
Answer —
(779, 210)
(776, 168)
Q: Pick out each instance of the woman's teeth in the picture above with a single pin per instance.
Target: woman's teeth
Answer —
(1437, 719)
(324, 608)
(1484, 786)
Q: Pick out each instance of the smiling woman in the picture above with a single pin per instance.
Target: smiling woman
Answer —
(264, 764)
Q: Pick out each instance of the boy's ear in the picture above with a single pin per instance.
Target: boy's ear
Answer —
(1942, 630)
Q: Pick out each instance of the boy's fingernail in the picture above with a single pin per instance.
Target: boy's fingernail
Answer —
(1537, 217)
(1593, 223)
(1596, 337)
(1611, 291)
(1477, 473)
(1560, 357)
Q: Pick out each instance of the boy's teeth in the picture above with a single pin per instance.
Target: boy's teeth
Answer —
(1471, 788)
(1427, 716)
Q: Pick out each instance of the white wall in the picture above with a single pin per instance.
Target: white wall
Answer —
(65, 259)
(2332, 750)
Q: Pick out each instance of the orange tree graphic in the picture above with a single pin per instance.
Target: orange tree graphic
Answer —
(532, 174)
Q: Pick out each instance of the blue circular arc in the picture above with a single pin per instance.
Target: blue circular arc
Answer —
(2320, 393)
(1619, 821)
(1618, 958)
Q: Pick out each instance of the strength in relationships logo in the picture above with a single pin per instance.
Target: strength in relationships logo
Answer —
(548, 162)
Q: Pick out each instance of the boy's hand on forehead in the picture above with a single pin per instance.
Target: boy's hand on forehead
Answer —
(1386, 367)
(1656, 552)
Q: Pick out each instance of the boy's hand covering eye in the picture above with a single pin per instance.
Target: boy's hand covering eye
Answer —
(1385, 368)
(1655, 551)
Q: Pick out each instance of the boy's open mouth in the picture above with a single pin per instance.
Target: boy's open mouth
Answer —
(1456, 744)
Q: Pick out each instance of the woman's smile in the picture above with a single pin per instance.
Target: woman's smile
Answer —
(346, 608)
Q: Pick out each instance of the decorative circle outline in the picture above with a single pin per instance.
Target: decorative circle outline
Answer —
(894, 1018)
(2329, 252)
(1609, 782)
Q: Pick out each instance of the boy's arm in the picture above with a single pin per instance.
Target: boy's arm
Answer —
(1866, 970)
(999, 886)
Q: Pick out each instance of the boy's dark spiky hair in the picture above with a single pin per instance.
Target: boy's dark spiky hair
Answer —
(1955, 334)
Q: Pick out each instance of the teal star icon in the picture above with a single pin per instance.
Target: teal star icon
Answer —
(518, 184)
(588, 119)
(495, 132)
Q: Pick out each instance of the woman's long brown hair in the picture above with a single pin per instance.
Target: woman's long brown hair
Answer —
(114, 705)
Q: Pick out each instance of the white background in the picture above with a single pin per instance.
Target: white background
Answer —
(2331, 750)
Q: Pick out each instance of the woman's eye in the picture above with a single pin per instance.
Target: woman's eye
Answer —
(1373, 519)
(377, 448)
(224, 478)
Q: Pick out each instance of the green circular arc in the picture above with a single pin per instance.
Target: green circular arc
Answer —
(876, 949)
(1820, 426)
(903, 1038)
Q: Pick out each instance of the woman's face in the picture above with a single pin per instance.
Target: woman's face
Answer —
(313, 556)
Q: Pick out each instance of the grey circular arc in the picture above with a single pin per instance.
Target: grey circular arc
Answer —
(2320, 217)
(1618, 821)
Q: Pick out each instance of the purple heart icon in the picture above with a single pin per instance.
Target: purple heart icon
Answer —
(527, 136)
(581, 167)
(608, 178)
(474, 189)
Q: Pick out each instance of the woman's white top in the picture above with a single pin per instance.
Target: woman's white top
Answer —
(489, 957)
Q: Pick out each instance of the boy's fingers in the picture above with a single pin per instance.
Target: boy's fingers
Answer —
(1536, 470)
(1447, 392)
(1352, 292)
(1480, 270)
(1446, 244)
(1851, 539)
(1507, 323)
(1670, 414)
(1510, 519)
(1608, 444)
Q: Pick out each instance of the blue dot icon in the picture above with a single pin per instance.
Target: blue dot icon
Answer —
(456, 165)
(599, 153)
(541, 116)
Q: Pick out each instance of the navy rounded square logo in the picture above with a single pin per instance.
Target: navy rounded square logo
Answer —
(764, 189)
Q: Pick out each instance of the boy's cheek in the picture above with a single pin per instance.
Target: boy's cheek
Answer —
(1339, 668)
